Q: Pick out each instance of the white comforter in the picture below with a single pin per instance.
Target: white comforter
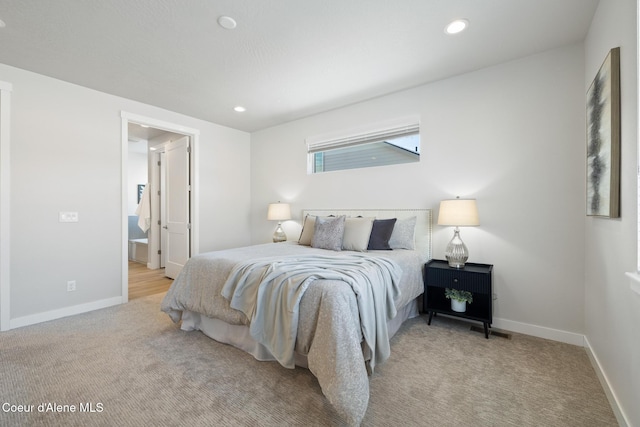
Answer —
(329, 333)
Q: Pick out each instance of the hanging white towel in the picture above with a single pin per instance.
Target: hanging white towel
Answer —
(144, 210)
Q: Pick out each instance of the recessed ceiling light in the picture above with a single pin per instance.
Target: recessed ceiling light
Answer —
(227, 22)
(456, 26)
(239, 109)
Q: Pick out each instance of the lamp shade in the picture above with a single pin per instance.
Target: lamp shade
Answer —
(279, 212)
(458, 212)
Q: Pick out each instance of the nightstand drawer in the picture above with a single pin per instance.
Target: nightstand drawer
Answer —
(459, 279)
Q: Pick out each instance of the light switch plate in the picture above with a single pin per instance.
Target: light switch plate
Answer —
(68, 217)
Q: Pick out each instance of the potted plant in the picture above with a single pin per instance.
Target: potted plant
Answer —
(459, 299)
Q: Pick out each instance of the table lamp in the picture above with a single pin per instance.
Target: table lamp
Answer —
(458, 213)
(279, 212)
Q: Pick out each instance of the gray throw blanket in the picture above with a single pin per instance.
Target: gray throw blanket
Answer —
(268, 291)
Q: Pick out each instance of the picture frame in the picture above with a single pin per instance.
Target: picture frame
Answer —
(603, 140)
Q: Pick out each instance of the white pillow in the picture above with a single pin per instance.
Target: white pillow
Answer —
(307, 230)
(356, 234)
(403, 236)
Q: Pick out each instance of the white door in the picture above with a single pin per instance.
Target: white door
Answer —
(177, 210)
(163, 206)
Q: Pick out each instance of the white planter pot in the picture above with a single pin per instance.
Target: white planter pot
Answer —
(458, 306)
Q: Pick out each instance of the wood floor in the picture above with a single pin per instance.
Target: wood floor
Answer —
(144, 281)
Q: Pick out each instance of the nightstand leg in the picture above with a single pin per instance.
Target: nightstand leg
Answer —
(430, 317)
(486, 330)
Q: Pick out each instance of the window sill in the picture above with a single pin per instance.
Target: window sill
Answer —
(635, 282)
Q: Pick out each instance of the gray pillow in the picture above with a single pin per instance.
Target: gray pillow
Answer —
(404, 233)
(380, 234)
(328, 233)
(356, 234)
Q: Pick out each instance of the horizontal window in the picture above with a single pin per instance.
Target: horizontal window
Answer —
(394, 144)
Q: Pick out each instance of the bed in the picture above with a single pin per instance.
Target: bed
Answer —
(345, 302)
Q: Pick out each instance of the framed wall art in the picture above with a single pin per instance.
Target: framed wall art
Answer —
(603, 140)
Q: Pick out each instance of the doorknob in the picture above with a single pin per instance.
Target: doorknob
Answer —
(165, 227)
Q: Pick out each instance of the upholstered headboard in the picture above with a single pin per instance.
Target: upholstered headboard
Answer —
(423, 221)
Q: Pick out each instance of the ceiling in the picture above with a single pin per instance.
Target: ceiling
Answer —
(285, 60)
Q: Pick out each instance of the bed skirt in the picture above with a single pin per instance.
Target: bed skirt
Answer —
(239, 336)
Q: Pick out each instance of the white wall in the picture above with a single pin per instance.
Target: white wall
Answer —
(512, 136)
(611, 245)
(66, 156)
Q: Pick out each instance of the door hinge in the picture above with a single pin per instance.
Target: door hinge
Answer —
(188, 149)
(159, 222)
(158, 192)
(159, 252)
(158, 162)
(189, 226)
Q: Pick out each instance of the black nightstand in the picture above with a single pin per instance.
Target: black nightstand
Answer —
(475, 278)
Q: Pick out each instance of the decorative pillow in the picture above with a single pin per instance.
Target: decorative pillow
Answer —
(403, 236)
(380, 234)
(307, 230)
(328, 232)
(356, 233)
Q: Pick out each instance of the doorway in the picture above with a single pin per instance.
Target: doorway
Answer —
(170, 222)
(144, 281)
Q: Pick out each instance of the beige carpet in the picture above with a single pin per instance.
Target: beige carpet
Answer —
(134, 367)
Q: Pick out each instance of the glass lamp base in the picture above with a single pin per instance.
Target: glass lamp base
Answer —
(278, 235)
(456, 253)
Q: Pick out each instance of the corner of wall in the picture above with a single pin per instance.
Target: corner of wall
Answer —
(606, 386)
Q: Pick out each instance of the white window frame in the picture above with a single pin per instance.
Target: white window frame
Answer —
(362, 135)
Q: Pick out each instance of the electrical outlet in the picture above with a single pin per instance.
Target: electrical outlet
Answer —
(71, 285)
(68, 217)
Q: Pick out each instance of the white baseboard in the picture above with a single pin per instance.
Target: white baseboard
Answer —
(540, 331)
(569, 338)
(606, 386)
(63, 312)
